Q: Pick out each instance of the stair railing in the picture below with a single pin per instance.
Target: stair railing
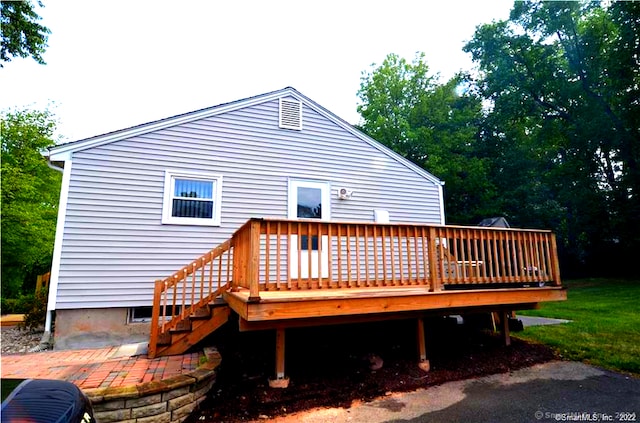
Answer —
(189, 289)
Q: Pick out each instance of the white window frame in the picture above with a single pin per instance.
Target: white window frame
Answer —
(325, 188)
(132, 318)
(167, 204)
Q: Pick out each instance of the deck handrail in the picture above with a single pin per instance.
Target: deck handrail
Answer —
(192, 287)
(42, 281)
(367, 254)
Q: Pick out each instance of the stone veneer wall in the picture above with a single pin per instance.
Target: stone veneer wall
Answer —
(159, 401)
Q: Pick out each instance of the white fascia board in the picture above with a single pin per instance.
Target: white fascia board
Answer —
(63, 151)
(52, 158)
(408, 163)
(59, 157)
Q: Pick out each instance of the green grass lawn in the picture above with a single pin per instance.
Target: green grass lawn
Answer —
(605, 327)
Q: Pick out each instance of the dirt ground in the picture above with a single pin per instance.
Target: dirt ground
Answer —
(331, 366)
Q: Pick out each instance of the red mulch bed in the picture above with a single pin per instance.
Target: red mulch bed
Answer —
(329, 366)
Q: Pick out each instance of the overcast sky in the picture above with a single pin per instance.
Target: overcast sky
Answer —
(114, 64)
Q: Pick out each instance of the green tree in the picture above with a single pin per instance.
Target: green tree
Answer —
(22, 35)
(30, 193)
(562, 79)
(434, 125)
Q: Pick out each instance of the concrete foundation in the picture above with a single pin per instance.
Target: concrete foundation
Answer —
(97, 328)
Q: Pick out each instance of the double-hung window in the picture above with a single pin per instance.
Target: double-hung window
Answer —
(192, 198)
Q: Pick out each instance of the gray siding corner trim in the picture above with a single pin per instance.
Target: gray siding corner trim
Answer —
(442, 214)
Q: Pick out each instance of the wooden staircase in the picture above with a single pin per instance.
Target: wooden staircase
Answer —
(187, 305)
(192, 329)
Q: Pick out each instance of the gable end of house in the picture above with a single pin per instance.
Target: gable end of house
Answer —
(290, 117)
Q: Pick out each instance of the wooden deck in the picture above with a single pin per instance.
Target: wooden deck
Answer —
(278, 273)
(277, 308)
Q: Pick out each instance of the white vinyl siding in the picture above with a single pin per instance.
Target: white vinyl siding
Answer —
(115, 245)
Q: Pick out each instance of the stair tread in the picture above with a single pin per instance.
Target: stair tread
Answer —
(201, 313)
(185, 338)
(164, 339)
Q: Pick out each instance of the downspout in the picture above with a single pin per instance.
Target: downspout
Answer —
(57, 249)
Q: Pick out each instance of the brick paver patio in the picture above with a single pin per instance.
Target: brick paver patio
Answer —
(96, 368)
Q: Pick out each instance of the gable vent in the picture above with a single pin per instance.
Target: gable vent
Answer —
(290, 114)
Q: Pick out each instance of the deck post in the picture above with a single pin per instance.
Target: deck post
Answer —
(504, 324)
(254, 261)
(280, 381)
(434, 285)
(423, 362)
(554, 260)
(38, 283)
(155, 319)
(235, 261)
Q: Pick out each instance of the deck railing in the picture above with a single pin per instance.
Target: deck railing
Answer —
(273, 254)
(42, 281)
(278, 254)
(188, 290)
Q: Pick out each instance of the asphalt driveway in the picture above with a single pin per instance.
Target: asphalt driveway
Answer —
(555, 391)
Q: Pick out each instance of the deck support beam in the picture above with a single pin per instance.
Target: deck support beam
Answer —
(280, 381)
(504, 324)
(277, 305)
(423, 362)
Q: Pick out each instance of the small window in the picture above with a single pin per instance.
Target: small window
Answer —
(145, 314)
(309, 203)
(192, 199)
(140, 314)
(304, 242)
(309, 200)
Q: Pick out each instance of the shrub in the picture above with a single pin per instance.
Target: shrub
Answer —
(20, 305)
(37, 311)
(9, 305)
(25, 303)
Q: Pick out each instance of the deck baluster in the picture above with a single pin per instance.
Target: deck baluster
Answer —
(366, 256)
(339, 244)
